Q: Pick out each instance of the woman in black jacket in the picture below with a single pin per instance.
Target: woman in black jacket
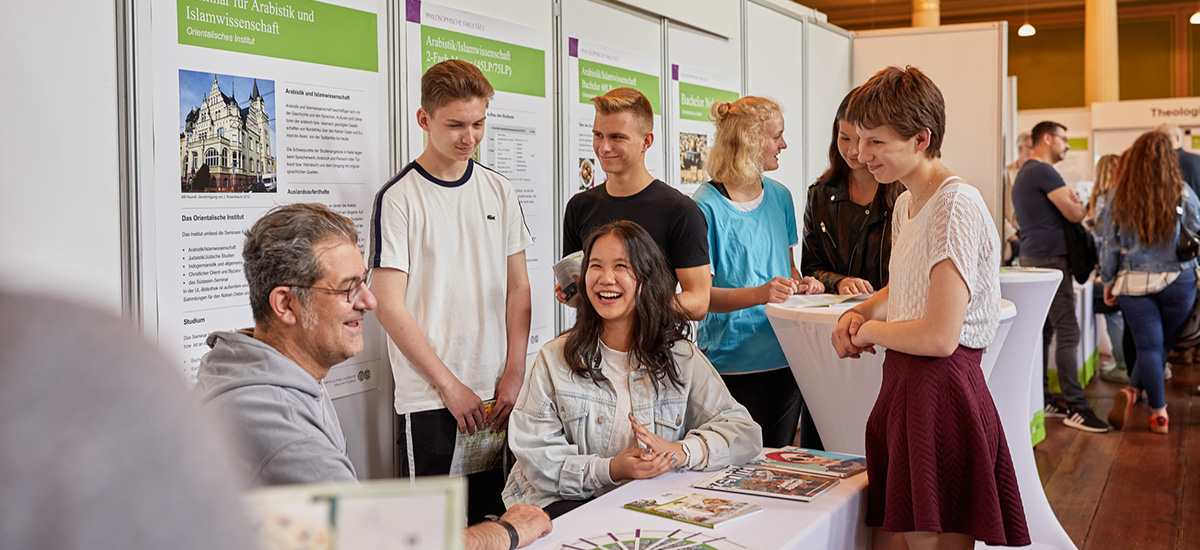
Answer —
(848, 219)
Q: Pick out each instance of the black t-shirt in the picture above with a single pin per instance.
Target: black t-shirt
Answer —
(671, 218)
(1040, 221)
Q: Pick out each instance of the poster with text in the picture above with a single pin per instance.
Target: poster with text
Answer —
(594, 69)
(695, 92)
(253, 108)
(516, 140)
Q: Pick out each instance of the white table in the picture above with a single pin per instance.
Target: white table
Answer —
(840, 393)
(1017, 390)
(835, 520)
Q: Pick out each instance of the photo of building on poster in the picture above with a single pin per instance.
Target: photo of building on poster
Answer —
(226, 134)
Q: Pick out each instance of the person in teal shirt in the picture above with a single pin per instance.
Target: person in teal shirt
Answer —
(751, 229)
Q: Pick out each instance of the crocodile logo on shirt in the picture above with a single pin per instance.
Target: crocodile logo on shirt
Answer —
(491, 217)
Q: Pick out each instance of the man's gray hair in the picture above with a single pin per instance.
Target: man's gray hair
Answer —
(1024, 137)
(279, 251)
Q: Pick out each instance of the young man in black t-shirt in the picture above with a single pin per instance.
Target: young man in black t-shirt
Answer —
(621, 134)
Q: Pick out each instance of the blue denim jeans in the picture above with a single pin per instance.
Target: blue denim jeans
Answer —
(1155, 321)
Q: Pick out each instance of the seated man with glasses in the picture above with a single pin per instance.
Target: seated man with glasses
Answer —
(308, 294)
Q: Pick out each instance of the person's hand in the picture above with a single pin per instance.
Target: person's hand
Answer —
(809, 285)
(562, 296)
(506, 398)
(854, 286)
(843, 335)
(656, 444)
(532, 523)
(466, 407)
(637, 463)
(860, 339)
(1110, 299)
(777, 290)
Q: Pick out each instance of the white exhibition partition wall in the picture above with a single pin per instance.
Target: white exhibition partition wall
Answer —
(775, 68)
(60, 228)
(826, 82)
(969, 65)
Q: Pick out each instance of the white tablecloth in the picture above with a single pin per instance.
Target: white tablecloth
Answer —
(833, 521)
(1017, 390)
(840, 393)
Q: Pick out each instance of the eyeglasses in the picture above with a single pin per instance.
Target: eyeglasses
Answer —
(351, 292)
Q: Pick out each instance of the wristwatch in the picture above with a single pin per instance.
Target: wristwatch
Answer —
(513, 537)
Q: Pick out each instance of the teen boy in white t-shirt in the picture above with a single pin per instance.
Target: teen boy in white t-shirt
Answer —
(448, 244)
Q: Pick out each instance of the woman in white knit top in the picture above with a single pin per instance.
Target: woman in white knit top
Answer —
(941, 476)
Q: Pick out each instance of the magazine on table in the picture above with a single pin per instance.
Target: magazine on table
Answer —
(767, 482)
(822, 463)
(697, 509)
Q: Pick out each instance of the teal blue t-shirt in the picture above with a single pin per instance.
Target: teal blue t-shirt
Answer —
(746, 249)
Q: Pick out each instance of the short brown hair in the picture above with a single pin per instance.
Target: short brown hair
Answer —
(905, 99)
(450, 80)
(627, 99)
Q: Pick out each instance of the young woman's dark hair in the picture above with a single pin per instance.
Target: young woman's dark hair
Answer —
(659, 319)
(838, 169)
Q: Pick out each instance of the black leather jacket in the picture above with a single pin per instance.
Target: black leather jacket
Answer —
(867, 259)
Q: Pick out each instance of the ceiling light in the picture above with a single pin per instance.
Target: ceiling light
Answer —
(1195, 19)
(1028, 30)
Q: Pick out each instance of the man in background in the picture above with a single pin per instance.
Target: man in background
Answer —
(1044, 205)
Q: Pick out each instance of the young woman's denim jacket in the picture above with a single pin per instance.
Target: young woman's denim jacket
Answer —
(1120, 250)
(563, 421)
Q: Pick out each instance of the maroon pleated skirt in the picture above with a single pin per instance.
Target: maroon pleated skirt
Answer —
(937, 459)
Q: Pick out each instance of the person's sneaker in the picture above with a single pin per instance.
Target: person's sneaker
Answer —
(1087, 421)
(1054, 410)
(1114, 373)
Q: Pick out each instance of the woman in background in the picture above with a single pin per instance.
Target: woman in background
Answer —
(1106, 176)
(848, 219)
(1141, 270)
(751, 232)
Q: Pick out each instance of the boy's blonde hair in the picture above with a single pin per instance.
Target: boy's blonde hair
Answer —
(627, 99)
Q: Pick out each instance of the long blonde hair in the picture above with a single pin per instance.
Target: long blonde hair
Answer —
(1106, 179)
(736, 154)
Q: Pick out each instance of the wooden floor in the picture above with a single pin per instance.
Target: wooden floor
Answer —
(1129, 489)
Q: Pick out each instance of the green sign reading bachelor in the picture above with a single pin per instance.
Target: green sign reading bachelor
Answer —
(508, 67)
(597, 79)
(300, 30)
(696, 100)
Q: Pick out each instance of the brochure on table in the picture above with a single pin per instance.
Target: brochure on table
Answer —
(253, 109)
(695, 92)
(516, 140)
(594, 69)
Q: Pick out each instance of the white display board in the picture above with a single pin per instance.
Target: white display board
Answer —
(775, 57)
(247, 103)
(516, 141)
(969, 65)
(826, 83)
(1115, 125)
(704, 68)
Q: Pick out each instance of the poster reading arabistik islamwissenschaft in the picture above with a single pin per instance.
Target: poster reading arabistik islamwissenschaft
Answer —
(516, 141)
(256, 104)
(594, 69)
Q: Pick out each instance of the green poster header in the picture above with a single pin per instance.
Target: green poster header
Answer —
(508, 67)
(597, 79)
(1078, 143)
(696, 100)
(300, 30)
